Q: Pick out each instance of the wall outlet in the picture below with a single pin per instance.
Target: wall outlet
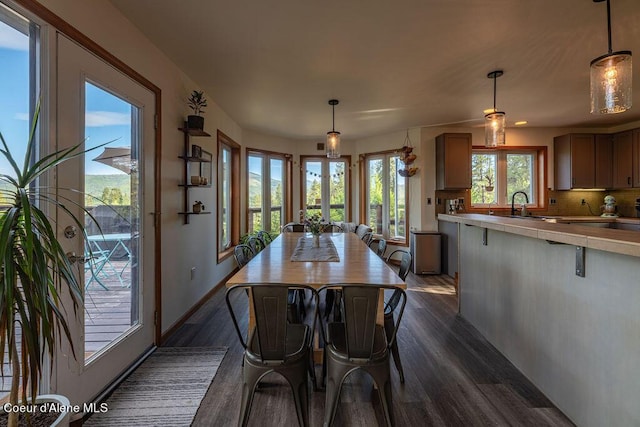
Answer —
(428, 200)
(583, 202)
(193, 273)
(552, 201)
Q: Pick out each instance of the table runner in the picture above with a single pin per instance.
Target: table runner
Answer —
(305, 251)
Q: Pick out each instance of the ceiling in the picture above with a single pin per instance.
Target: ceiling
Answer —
(273, 65)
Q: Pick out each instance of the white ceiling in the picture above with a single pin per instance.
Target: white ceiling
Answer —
(273, 65)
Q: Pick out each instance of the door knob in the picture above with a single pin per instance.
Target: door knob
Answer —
(70, 231)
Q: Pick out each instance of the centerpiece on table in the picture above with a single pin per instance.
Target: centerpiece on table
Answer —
(314, 224)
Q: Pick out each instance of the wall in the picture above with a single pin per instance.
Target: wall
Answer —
(183, 246)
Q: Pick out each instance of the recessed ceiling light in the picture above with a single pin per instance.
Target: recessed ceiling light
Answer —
(521, 122)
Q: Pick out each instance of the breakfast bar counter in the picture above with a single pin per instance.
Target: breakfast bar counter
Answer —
(560, 301)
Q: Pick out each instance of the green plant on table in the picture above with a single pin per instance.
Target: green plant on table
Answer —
(313, 223)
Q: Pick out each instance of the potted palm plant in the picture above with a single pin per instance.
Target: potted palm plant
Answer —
(196, 102)
(34, 273)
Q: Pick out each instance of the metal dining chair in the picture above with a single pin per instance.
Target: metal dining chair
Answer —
(391, 305)
(264, 237)
(243, 254)
(275, 345)
(366, 237)
(358, 343)
(255, 244)
(293, 227)
(380, 246)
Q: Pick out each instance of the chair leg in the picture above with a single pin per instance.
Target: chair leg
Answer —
(251, 377)
(388, 329)
(336, 374)
(297, 377)
(382, 377)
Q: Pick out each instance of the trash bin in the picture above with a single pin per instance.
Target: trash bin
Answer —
(425, 250)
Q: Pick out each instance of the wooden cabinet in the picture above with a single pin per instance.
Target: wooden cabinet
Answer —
(623, 160)
(603, 161)
(574, 163)
(197, 165)
(453, 161)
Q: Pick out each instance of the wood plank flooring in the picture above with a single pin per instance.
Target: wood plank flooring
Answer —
(454, 377)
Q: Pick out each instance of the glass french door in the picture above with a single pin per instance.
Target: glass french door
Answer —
(114, 116)
(325, 188)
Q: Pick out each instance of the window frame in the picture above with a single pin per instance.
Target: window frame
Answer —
(225, 142)
(540, 179)
(286, 191)
(324, 179)
(385, 155)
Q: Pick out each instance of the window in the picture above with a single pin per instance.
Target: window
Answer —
(228, 195)
(325, 185)
(268, 190)
(498, 174)
(386, 196)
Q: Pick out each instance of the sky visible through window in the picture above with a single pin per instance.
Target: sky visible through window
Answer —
(108, 118)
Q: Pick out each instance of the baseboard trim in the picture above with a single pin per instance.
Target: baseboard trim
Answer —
(173, 328)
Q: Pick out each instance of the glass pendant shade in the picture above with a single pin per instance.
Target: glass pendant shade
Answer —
(333, 145)
(494, 124)
(611, 83)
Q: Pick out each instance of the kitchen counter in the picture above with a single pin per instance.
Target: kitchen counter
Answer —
(566, 315)
(561, 230)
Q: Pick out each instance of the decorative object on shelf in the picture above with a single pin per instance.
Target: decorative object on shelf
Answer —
(611, 78)
(198, 206)
(196, 102)
(489, 186)
(333, 137)
(407, 158)
(196, 151)
(494, 121)
(609, 209)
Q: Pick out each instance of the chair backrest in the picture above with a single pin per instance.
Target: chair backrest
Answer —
(264, 237)
(243, 254)
(270, 308)
(360, 303)
(381, 246)
(366, 237)
(293, 227)
(332, 228)
(405, 262)
(256, 244)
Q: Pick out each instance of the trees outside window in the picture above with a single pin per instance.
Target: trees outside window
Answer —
(496, 175)
(386, 196)
(228, 196)
(268, 190)
(325, 185)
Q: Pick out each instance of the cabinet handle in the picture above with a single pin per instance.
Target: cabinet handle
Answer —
(629, 180)
(573, 181)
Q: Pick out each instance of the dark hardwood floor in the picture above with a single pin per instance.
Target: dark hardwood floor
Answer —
(454, 377)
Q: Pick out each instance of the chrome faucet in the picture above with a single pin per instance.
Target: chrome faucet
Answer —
(513, 196)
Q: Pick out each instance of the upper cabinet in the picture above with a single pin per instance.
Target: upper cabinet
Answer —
(623, 160)
(574, 163)
(636, 158)
(603, 161)
(453, 161)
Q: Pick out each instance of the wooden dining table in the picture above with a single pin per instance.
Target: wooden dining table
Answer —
(358, 264)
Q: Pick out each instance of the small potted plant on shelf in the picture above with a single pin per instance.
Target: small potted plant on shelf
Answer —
(35, 272)
(196, 102)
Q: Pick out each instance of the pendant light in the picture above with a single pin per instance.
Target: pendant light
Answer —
(611, 78)
(494, 122)
(333, 137)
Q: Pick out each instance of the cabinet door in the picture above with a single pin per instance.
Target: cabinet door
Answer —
(453, 161)
(604, 162)
(623, 159)
(636, 158)
(582, 161)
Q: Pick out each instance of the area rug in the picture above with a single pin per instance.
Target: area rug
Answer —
(166, 390)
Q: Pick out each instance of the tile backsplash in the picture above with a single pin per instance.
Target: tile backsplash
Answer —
(568, 203)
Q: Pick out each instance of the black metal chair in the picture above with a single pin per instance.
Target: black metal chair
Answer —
(243, 254)
(380, 246)
(264, 237)
(332, 228)
(293, 227)
(256, 244)
(366, 237)
(358, 343)
(274, 345)
(391, 305)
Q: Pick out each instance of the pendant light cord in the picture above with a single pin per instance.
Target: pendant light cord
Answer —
(333, 117)
(609, 25)
(495, 77)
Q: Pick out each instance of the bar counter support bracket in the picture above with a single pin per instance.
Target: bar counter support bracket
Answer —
(485, 240)
(580, 267)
